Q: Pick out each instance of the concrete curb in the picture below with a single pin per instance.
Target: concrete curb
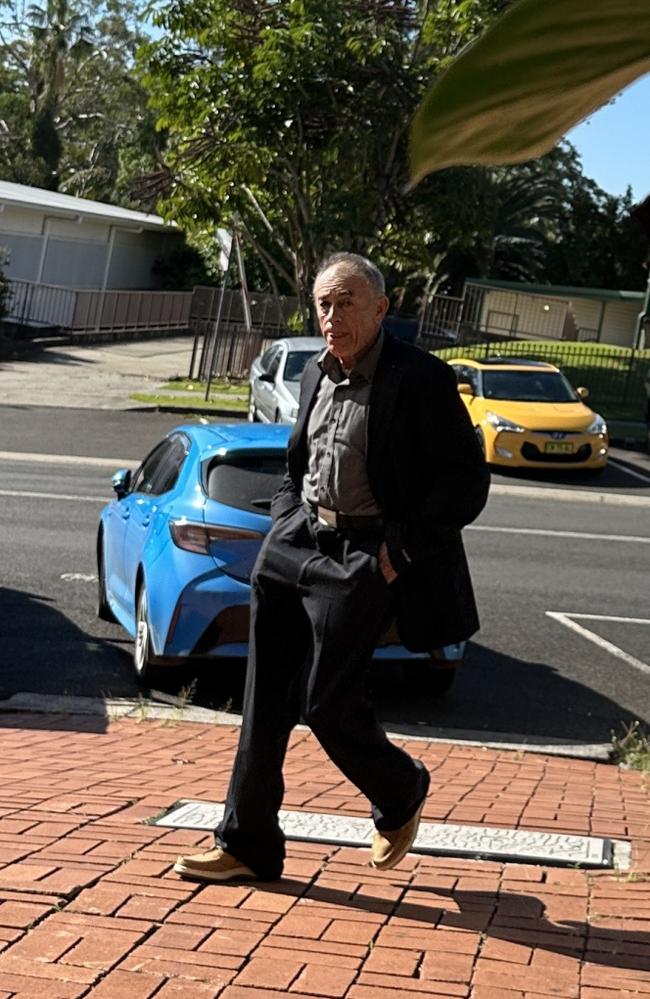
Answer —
(166, 707)
(571, 495)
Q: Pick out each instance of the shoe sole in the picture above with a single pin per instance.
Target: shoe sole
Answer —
(236, 874)
(393, 861)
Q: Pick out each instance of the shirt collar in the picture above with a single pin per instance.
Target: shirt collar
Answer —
(364, 370)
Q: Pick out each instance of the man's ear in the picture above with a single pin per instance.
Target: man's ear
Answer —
(382, 307)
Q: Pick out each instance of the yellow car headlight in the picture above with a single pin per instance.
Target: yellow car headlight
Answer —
(597, 426)
(501, 423)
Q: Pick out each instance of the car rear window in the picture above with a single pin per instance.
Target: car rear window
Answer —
(247, 482)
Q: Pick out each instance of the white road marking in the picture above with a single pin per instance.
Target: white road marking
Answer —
(28, 494)
(612, 617)
(68, 459)
(542, 532)
(591, 636)
(79, 577)
(630, 471)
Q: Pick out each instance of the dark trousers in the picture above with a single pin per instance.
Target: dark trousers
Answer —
(318, 606)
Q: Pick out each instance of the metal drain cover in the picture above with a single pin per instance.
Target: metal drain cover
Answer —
(485, 842)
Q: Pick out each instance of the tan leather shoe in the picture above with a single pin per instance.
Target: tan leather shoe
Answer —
(215, 865)
(389, 847)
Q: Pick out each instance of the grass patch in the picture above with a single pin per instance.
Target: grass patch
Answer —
(632, 748)
(220, 386)
(614, 375)
(234, 405)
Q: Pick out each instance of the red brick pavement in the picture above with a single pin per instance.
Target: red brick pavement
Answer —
(89, 905)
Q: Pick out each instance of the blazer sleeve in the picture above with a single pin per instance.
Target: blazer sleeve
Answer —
(456, 475)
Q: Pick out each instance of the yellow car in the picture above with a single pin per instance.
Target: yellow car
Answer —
(527, 415)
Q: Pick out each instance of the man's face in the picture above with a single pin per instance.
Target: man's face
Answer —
(350, 313)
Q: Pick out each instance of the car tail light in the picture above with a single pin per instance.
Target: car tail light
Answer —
(193, 537)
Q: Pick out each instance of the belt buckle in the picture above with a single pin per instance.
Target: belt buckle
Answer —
(328, 518)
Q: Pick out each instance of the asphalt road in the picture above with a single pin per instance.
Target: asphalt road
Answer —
(526, 672)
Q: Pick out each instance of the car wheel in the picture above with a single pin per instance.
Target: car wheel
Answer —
(104, 612)
(252, 408)
(427, 677)
(147, 672)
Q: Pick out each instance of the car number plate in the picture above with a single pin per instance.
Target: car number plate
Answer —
(553, 447)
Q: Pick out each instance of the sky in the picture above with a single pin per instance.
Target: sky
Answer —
(614, 143)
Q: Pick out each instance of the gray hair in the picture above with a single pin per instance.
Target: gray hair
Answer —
(358, 265)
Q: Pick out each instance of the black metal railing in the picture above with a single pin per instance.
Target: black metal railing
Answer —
(615, 376)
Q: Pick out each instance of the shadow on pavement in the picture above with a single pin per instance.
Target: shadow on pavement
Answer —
(497, 915)
(24, 350)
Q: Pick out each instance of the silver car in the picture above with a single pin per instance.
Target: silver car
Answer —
(275, 379)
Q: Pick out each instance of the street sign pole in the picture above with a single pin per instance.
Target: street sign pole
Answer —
(224, 238)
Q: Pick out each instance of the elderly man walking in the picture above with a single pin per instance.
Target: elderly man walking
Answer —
(384, 470)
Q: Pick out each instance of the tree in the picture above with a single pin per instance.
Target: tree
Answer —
(291, 118)
(72, 115)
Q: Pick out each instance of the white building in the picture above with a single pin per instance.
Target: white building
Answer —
(56, 239)
(553, 312)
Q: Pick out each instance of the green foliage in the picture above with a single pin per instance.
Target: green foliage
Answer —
(292, 117)
(632, 748)
(72, 116)
(540, 69)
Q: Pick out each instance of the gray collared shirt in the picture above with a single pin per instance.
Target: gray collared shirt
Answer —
(337, 437)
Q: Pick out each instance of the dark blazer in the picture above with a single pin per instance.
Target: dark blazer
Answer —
(429, 477)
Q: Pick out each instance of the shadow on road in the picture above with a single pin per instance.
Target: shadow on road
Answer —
(494, 692)
(610, 478)
(43, 652)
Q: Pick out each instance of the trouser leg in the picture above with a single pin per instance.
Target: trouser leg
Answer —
(278, 645)
(347, 601)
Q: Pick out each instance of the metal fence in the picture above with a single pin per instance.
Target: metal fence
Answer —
(616, 377)
(45, 306)
(229, 350)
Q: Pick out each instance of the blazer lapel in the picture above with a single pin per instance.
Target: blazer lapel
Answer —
(297, 451)
(383, 397)
(311, 378)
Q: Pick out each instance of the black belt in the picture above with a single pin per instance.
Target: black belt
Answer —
(344, 521)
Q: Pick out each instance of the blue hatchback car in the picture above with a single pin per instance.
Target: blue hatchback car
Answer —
(176, 547)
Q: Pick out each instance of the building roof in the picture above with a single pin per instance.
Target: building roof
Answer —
(559, 290)
(67, 206)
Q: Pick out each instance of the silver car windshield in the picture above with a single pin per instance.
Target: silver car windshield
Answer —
(296, 361)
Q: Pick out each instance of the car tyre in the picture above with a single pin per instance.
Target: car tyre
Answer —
(252, 408)
(148, 671)
(428, 677)
(104, 612)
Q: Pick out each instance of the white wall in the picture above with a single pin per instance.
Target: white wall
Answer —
(534, 315)
(619, 325)
(586, 312)
(76, 252)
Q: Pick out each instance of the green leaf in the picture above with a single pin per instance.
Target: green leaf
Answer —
(540, 69)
